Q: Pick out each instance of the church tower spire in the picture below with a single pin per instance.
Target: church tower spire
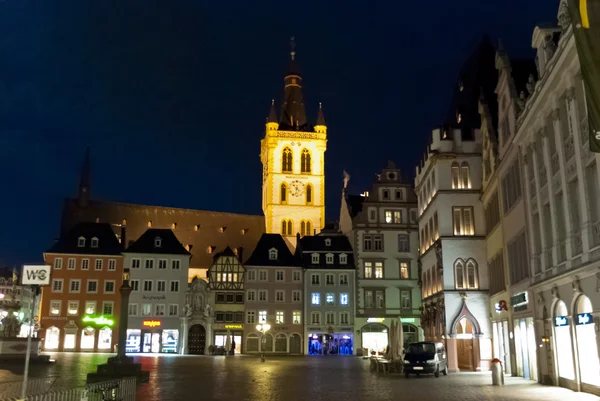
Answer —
(293, 114)
(84, 184)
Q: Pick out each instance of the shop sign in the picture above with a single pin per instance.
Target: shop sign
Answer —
(234, 326)
(375, 320)
(407, 319)
(54, 318)
(318, 329)
(151, 323)
(279, 328)
(584, 318)
(330, 330)
(501, 306)
(98, 320)
(154, 297)
(561, 321)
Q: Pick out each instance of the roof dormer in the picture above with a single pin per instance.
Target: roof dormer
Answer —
(273, 254)
(327, 241)
(95, 242)
(80, 242)
(157, 242)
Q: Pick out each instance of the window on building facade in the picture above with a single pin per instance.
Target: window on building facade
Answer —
(287, 227)
(296, 296)
(309, 194)
(279, 317)
(492, 213)
(92, 286)
(315, 258)
(251, 275)
(57, 285)
(251, 295)
(343, 279)
(344, 299)
(107, 308)
(279, 296)
(262, 275)
(112, 265)
(404, 270)
(135, 263)
(466, 274)
(286, 160)
(368, 272)
(315, 298)
(368, 299)
(175, 286)
(90, 307)
(315, 279)
(71, 264)
(159, 310)
(518, 265)
(380, 299)
(279, 275)
(58, 263)
(329, 279)
(367, 242)
(378, 243)
(147, 285)
(385, 194)
(405, 301)
(343, 259)
(55, 308)
(133, 309)
(146, 309)
(85, 264)
(250, 317)
(149, 263)
(262, 316)
(413, 216)
(315, 318)
(262, 295)
(330, 318)
(378, 269)
(162, 263)
(372, 215)
(463, 220)
(74, 286)
(283, 193)
(344, 318)
(496, 267)
(330, 298)
(297, 317)
(305, 161)
(161, 286)
(465, 176)
(173, 310)
(81, 242)
(403, 243)
(296, 276)
(329, 258)
(511, 186)
(399, 194)
(135, 285)
(109, 286)
(73, 308)
(455, 169)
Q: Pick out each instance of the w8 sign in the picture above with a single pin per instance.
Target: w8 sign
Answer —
(35, 275)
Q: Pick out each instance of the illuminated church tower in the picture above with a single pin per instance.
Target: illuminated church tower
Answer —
(292, 154)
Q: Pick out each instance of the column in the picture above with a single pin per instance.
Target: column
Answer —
(550, 193)
(562, 182)
(544, 225)
(527, 198)
(577, 140)
(184, 335)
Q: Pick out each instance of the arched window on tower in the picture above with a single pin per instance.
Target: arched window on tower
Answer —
(464, 176)
(459, 274)
(286, 227)
(472, 276)
(455, 176)
(305, 161)
(305, 228)
(309, 194)
(286, 160)
(283, 193)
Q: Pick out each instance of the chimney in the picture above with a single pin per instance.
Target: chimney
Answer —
(123, 237)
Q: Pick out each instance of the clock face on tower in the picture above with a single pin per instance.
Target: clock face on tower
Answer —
(296, 188)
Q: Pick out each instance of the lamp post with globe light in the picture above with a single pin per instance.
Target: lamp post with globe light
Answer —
(263, 328)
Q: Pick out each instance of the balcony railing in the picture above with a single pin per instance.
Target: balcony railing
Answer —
(554, 163)
(569, 148)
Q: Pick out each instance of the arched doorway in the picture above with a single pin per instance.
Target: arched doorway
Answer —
(295, 344)
(267, 344)
(52, 338)
(563, 346)
(374, 337)
(197, 339)
(587, 348)
(280, 342)
(464, 344)
(252, 342)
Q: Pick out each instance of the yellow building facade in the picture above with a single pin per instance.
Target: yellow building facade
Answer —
(293, 159)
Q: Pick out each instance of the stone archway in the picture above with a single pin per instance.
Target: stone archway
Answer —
(465, 332)
(197, 339)
(295, 344)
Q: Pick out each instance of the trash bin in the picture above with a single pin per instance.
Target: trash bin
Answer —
(497, 372)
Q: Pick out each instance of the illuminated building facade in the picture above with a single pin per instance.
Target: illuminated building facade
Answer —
(293, 158)
(561, 187)
(80, 307)
(158, 265)
(453, 264)
(382, 227)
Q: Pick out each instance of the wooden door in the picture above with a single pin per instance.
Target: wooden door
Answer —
(197, 339)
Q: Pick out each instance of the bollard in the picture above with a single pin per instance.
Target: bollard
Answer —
(497, 372)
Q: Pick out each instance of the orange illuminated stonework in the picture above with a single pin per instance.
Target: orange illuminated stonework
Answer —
(151, 323)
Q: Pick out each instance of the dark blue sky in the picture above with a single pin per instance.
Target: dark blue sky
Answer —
(172, 95)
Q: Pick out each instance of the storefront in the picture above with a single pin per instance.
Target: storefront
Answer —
(501, 317)
(153, 337)
(235, 333)
(330, 341)
(374, 337)
(524, 336)
(91, 334)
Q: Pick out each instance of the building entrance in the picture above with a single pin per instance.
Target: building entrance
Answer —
(464, 344)
(197, 339)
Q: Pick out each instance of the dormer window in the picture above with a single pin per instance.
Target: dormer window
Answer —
(222, 229)
(173, 226)
(94, 242)
(244, 231)
(149, 223)
(315, 258)
(157, 242)
(343, 259)
(329, 258)
(273, 254)
(210, 249)
(327, 241)
(386, 194)
(81, 242)
(196, 227)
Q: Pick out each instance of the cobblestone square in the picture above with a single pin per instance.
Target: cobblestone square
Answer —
(245, 378)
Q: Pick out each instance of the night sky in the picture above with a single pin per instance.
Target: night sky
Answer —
(172, 96)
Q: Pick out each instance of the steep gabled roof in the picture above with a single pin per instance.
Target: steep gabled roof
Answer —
(355, 204)
(260, 256)
(108, 244)
(169, 244)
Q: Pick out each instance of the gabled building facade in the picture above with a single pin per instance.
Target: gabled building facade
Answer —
(329, 288)
(226, 285)
(274, 287)
(158, 264)
(453, 262)
(80, 308)
(384, 235)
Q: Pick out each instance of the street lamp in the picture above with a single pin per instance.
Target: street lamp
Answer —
(263, 328)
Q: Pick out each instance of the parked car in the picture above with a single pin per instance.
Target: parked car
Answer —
(425, 357)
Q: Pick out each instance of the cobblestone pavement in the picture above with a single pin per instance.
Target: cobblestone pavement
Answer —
(244, 378)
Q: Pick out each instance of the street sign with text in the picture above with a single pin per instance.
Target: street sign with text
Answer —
(35, 275)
